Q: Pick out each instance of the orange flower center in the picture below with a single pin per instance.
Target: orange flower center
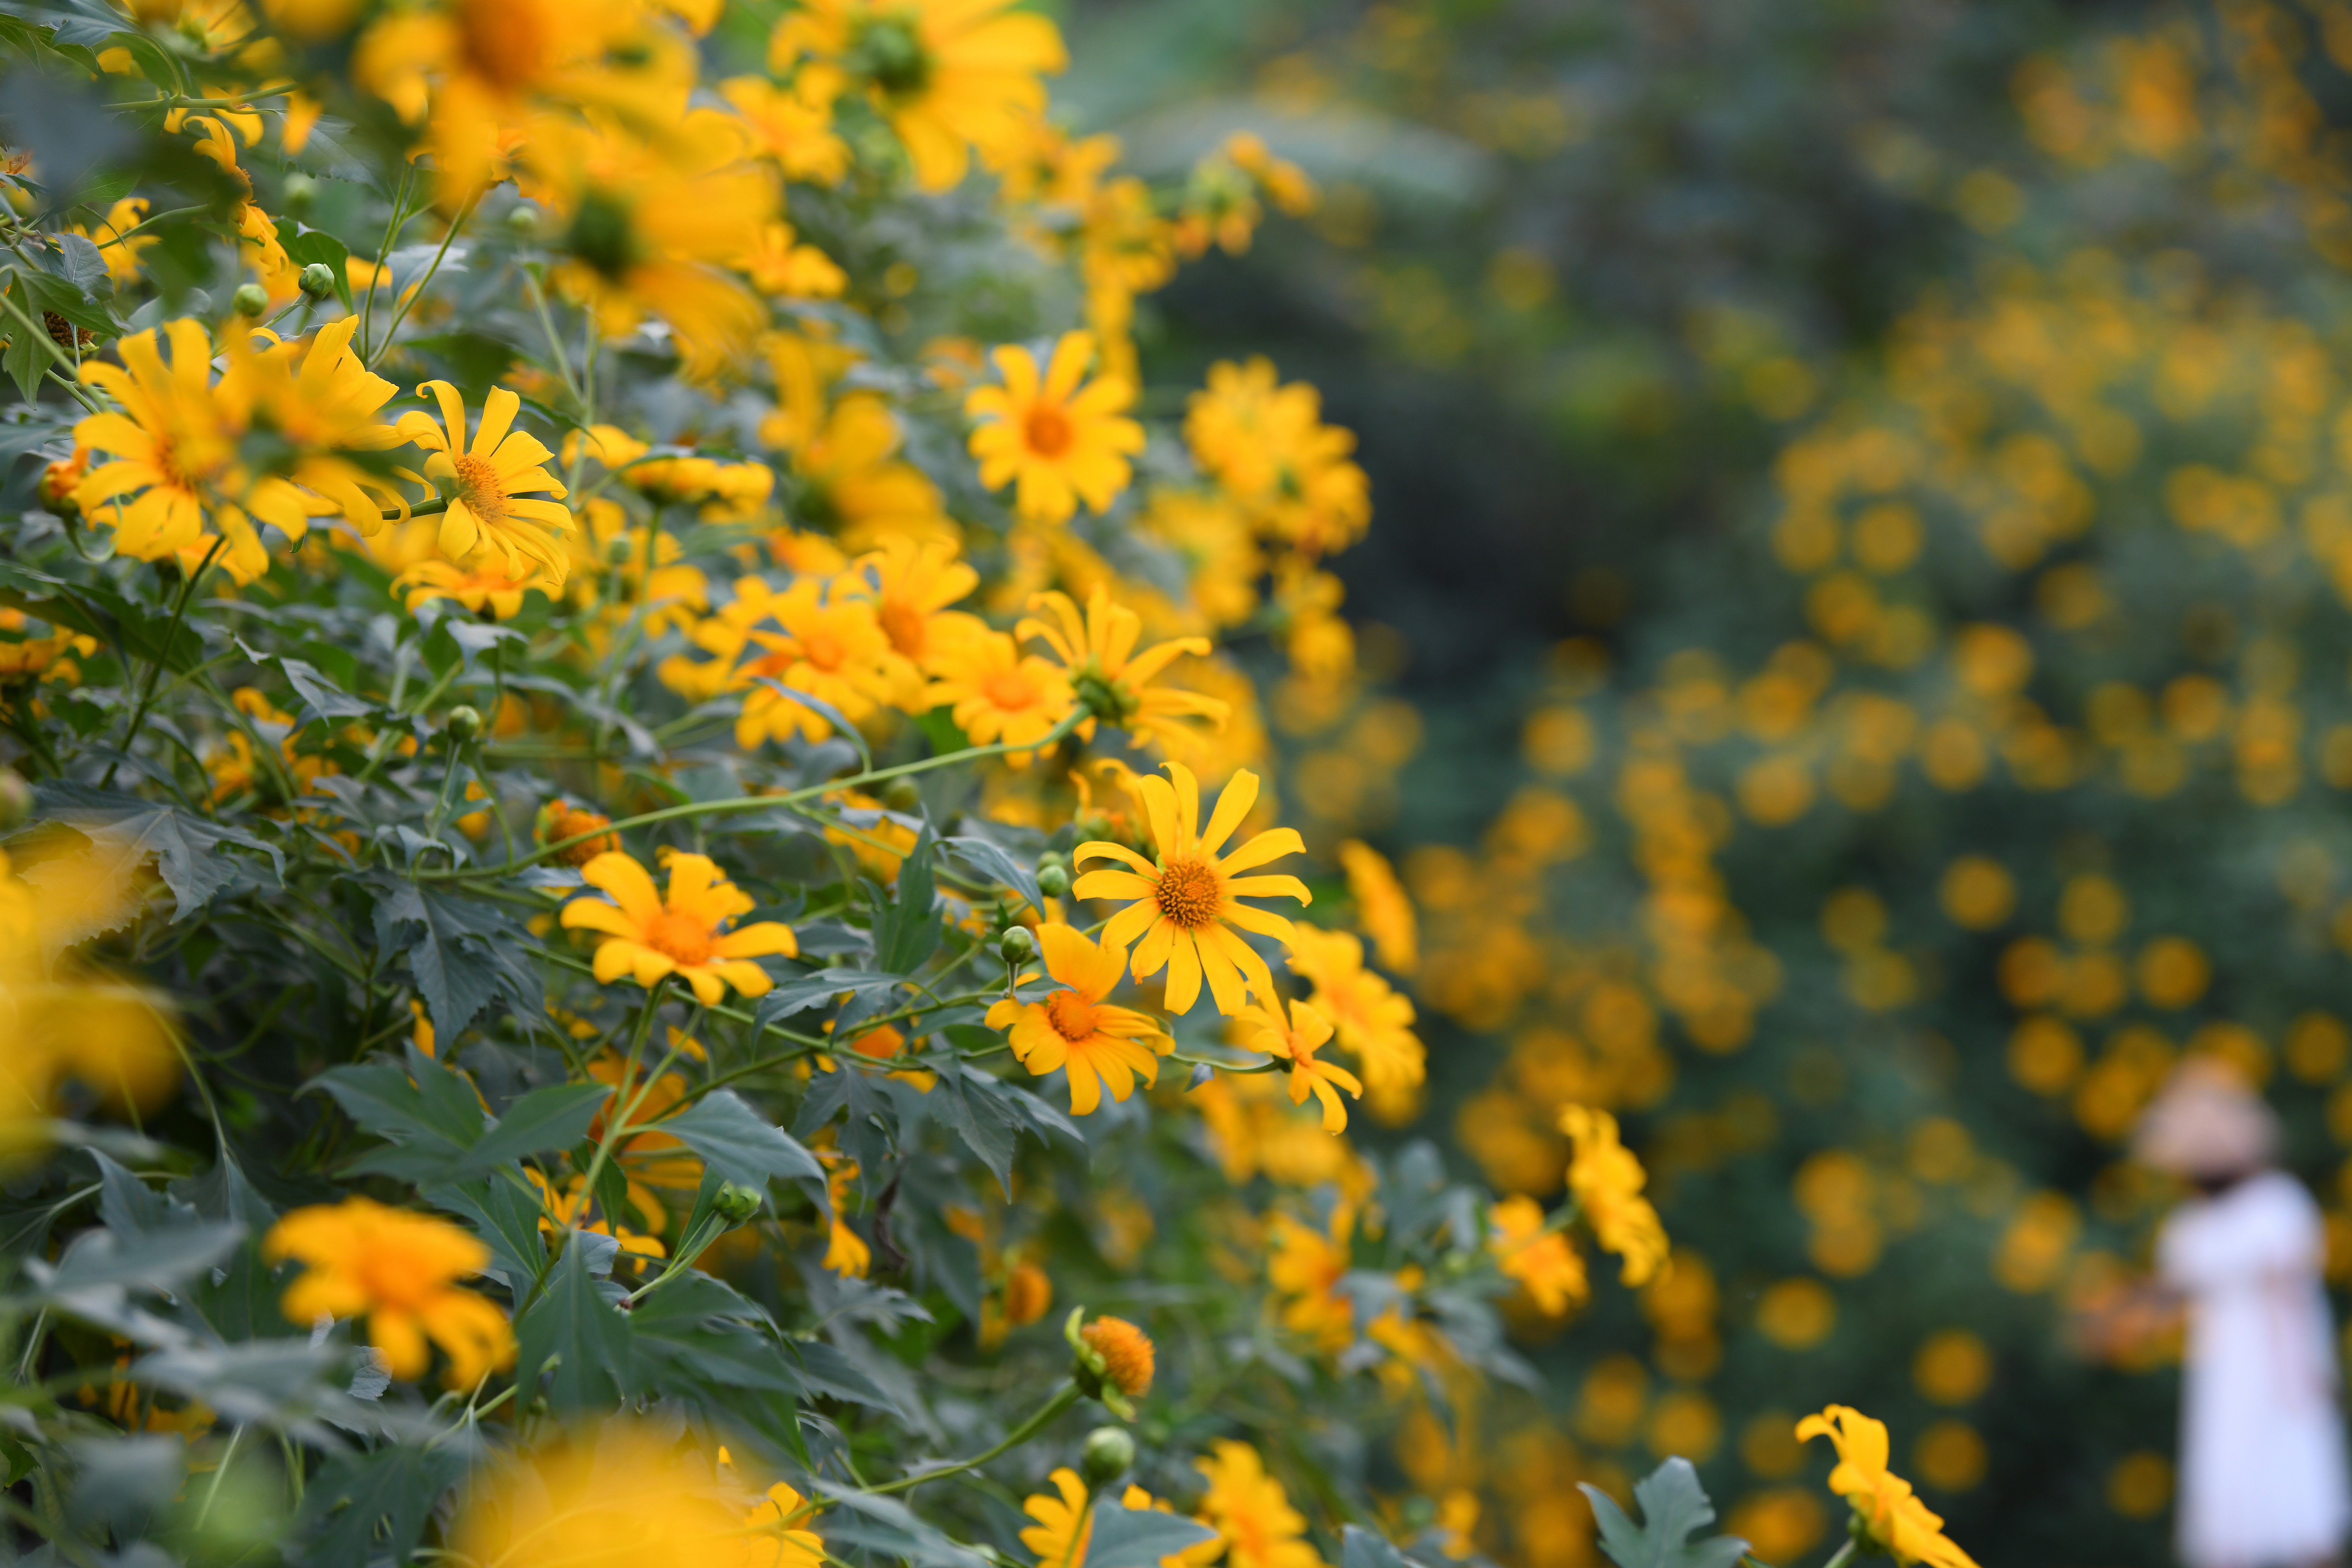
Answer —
(1189, 892)
(904, 626)
(680, 937)
(825, 650)
(505, 43)
(479, 488)
(1071, 1015)
(1047, 430)
(1010, 689)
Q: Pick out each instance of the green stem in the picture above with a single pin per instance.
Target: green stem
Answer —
(620, 1115)
(415, 292)
(1844, 1555)
(761, 802)
(155, 671)
(150, 223)
(41, 335)
(220, 1472)
(1064, 1398)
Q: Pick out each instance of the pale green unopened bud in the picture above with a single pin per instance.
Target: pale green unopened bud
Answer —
(735, 1203)
(298, 191)
(901, 796)
(462, 723)
(1016, 945)
(1108, 1454)
(523, 221)
(250, 298)
(16, 799)
(1053, 881)
(317, 281)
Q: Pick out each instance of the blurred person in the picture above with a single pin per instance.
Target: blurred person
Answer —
(2262, 1464)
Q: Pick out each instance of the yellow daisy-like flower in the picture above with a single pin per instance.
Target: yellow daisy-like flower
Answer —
(998, 694)
(1251, 1512)
(1543, 1261)
(648, 936)
(1125, 1353)
(915, 579)
(1894, 1520)
(1383, 908)
(1115, 681)
(949, 74)
(398, 1270)
(491, 483)
(1373, 1020)
(1296, 1042)
(1187, 903)
(1059, 443)
(1065, 1524)
(1306, 1265)
(775, 1543)
(1100, 1045)
(831, 646)
(483, 587)
(1606, 1180)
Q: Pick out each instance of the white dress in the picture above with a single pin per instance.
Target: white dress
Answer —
(2262, 1469)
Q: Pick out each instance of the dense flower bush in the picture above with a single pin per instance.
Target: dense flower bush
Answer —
(640, 921)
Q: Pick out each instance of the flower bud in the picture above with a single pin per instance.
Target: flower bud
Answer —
(1108, 1454)
(317, 281)
(462, 723)
(298, 191)
(1053, 881)
(901, 796)
(58, 482)
(16, 799)
(250, 298)
(1016, 945)
(735, 1203)
(522, 220)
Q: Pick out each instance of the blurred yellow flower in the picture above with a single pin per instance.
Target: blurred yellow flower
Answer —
(1373, 1021)
(648, 936)
(1296, 1041)
(1101, 1045)
(998, 694)
(1186, 905)
(1606, 1180)
(1383, 908)
(1543, 1260)
(1895, 1520)
(399, 1270)
(1058, 442)
(1250, 1511)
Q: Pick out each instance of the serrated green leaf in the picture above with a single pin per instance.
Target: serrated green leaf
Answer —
(585, 1336)
(1674, 1505)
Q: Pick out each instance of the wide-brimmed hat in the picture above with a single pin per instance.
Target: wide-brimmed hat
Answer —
(2207, 1123)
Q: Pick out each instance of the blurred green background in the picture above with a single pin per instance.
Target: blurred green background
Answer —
(1863, 513)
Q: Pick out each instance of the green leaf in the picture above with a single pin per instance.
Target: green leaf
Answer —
(551, 1118)
(99, 1259)
(506, 1220)
(583, 1334)
(1673, 1505)
(743, 1146)
(187, 848)
(1140, 1537)
(991, 862)
(454, 956)
(395, 1488)
(909, 931)
(316, 245)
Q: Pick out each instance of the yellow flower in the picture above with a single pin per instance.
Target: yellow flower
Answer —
(1251, 1512)
(1100, 1045)
(1058, 443)
(1306, 1265)
(625, 1496)
(647, 936)
(1268, 446)
(779, 265)
(1544, 1262)
(914, 580)
(490, 484)
(1898, 1521)
(1115, 681)
(121, 255)
(998, 694)
(1263, 1029)
(174, 448)
(1384, 909)
(560, 819)
(1126, 1352)
(1064, 1523)
(565, 1207)
(320, 399)
(831, 647)
(486, 585)
(793, 125)
(609, 558)
(1606, 1180)
(949, 74)
(1373, 1020)
(852, 480)
(399, 1268)
(845, 1252)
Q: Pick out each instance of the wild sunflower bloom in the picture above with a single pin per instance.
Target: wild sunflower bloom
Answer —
(831, 646)
(1373, 1020)
(1117, 683)
(1187, 903)
(1894, 1519)
(1124, 1352)
(399, 1270)
(1606, 1180)
(775, 1543)
(1384, 909)
(852, 479)
(1306, 1265)
(1059, 443)
(1296, 1042)
(560, 819)
(1251, 1512)
(914, 582)
(1100, 1045)
(1065, 1524)
(648, 936)
(1544, 1262)
(949, 74)
(491, 483)
(996, 693)
(488, 586)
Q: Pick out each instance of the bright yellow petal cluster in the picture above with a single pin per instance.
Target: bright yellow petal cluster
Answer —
(1251, 1512)
(1894, 1518)
(1373, 1021)
(1606, 1180)
(1117, 683)
(492, 484)
(1186, 915)
(1058, 442)
(648, 935)
(1296, 1041)
(1267, 447)
(398, 1270)
(1102, 1047)
(1540, 1259)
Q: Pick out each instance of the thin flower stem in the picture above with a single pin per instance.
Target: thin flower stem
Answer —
(41, 336)
(220, 1471)
(1844, 1555)
(613, 1123)
(554, 341)
(761, 801)
(150, 223)
(415, 292)
(1064, 1398)
(155, 671)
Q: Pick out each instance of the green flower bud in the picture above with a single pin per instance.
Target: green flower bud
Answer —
(1016, 945)
(1053, 881)
(1108, 1454)
(462, 723)
(735, 1203)
(317, 281)
(16, 799)
(901, 796)
(522, 220)
(298, 191)
(1051, 859)
(250, 298)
